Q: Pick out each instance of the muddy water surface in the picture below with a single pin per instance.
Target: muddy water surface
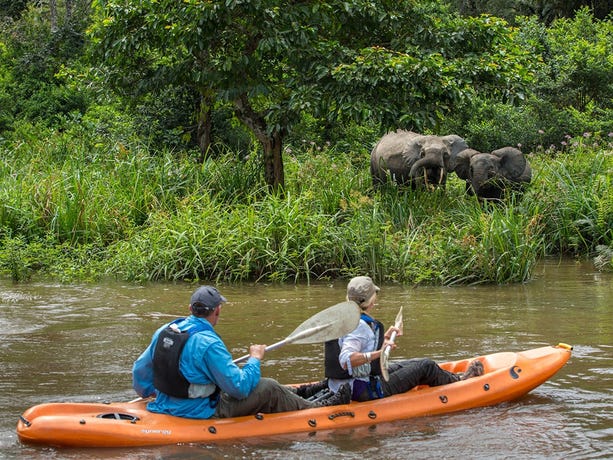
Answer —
(78, 342)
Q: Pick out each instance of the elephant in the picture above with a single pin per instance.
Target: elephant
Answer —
(408, 158)
(489, 175)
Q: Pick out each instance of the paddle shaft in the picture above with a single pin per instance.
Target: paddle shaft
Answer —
(388, 349)
(290, 339)
(398, 325)
(386, 352)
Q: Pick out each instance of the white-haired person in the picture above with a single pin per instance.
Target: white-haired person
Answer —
(355, 357)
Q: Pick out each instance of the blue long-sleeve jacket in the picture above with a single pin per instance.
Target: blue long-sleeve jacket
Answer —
(204, 360)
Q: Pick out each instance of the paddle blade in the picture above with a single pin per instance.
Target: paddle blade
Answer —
(398, 322)
(384, 365)
(328, 324)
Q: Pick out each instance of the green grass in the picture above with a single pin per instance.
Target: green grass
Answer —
(574, 191)
(72, 209)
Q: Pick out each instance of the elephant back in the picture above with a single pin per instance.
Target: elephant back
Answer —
(389, 155)
(391, 142)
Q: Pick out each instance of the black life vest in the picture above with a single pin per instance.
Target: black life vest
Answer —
(167, 377)
(332, 350)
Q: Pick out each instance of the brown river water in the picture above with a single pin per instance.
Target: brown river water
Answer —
(78, 342)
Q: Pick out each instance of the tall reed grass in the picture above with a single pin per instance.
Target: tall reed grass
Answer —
(71, 208)
(575, 192)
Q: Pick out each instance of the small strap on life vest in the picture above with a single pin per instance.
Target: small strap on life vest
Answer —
(378, 329)
(374, 387)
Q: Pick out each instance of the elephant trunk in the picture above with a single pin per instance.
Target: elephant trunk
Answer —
(428, 171)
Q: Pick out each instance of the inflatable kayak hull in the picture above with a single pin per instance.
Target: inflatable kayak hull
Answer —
(508, 375)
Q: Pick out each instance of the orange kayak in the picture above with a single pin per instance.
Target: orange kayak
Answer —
(508, 375)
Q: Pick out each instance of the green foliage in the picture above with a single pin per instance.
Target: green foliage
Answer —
(571, 95)
(579, 198)
(335, 61)
(107, 124)
(17, 259)
(23, 259)
(12, 8)
(63, 185)
(577, 67)
(32, 58)
(433, 63)
(533, 126)
(6, 96)
(94, 183)
(315, 135)
(334, 175)
(80, 210)
(481, 123)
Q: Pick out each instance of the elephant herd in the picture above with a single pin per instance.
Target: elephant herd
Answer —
(425, 161)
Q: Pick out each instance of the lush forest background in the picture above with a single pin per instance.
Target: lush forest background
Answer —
(153, 140)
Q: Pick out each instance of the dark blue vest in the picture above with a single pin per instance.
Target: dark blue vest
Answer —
(332, 350)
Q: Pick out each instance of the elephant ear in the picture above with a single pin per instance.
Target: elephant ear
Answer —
(512, 162)
(456, 144)
(461, 164)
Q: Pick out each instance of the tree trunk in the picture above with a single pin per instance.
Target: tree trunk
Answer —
(53, 14)
(204, 124)
(271, 143)
(273, 162)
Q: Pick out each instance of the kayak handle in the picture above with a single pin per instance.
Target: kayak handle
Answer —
(25, 421)
(346, 413)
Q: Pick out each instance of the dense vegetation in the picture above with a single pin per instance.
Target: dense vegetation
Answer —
(121, 155)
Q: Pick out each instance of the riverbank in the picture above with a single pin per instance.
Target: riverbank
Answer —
(76, 211)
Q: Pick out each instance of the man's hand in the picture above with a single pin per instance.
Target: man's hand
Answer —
(257, 351)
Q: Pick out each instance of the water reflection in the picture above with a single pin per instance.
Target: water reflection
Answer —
(78, 342)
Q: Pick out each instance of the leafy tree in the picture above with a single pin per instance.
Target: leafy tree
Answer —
(582, 68)
(572, 93)
(576, 69)
(37, 47)
(546, 11)
(12, 8)
(399, 62)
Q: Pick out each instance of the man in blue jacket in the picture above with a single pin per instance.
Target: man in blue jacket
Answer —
(190, 371)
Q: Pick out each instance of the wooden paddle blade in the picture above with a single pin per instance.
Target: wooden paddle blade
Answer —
(328, 324)
(398, 322)
(384, 360)
(384, 365)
